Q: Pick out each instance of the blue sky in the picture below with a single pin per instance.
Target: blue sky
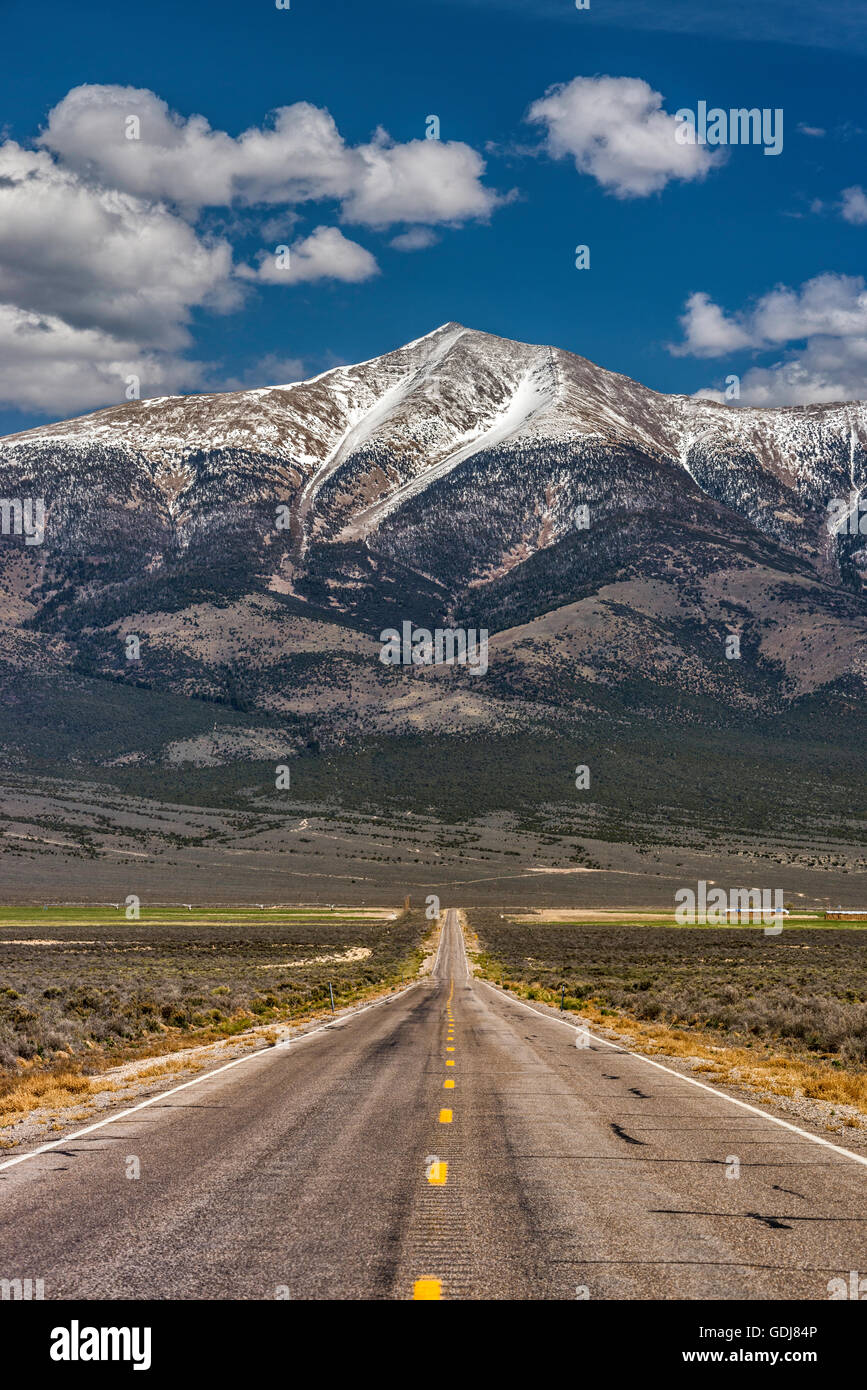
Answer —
(115, 259)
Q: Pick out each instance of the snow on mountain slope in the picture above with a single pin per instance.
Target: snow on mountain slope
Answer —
(302, 421)
(459, 378)
(448, 481)
(364, 424)
(358, 446)
(535, 391)
(442, 389)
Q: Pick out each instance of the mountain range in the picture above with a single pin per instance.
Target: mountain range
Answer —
(611, 540)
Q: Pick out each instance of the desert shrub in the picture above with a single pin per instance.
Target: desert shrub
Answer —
(805, 988)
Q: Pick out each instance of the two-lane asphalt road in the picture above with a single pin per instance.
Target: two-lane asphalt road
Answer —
(448, 1142)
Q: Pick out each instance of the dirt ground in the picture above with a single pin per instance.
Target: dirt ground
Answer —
(72, 843)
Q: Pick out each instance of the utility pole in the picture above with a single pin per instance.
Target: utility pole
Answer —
(331, 992)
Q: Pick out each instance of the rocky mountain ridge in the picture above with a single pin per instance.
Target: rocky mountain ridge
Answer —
(610, 538)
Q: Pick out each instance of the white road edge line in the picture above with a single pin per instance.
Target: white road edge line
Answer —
(196, 1081)
(690, 1080)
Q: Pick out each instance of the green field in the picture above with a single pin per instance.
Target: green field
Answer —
(108, 915)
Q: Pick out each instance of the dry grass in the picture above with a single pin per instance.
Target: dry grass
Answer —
(471, 941)
(769, 1072)
(39, 1090)
(772, 1072)
(162, 1069)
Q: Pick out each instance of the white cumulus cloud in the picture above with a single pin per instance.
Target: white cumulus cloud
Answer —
(616, 130)
(50, 366)
(96, 286)
(708, 332)
(105, 251)
(821, 326)
(326, 254)
(853, 207)
(102, 259)
(300, 157)
(415, 239)
(427, 181)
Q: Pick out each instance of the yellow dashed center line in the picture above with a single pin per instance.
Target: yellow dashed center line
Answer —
(438, 1173)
